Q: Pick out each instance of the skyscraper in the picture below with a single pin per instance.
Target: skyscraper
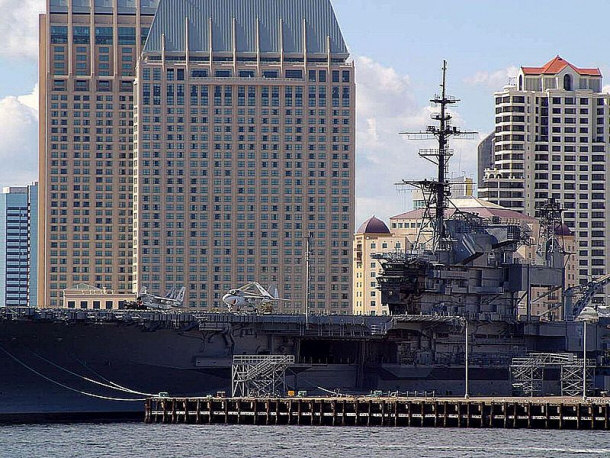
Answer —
(551, 142)
(88, 52)
(18, 245)
(244, 145)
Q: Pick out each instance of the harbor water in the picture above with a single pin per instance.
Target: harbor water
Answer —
(137, 439)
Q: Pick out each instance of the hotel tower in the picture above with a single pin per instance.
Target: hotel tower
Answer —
(244, 149)
(200, 144)
(551, 142)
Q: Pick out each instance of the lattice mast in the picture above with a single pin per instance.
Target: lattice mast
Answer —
(438, 190)
(549, 213)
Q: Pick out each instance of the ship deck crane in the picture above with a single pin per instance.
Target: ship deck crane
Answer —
(588, 291)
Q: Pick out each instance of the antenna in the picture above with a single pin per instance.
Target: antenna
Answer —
(437, 190)
(549, 213)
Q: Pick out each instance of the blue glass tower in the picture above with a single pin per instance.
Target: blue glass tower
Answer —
(18, 245)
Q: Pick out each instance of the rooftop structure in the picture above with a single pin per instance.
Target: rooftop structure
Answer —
(246, 27)
(373, 225)
(557, 65)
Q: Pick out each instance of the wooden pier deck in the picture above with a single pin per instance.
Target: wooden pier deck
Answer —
(535, 413)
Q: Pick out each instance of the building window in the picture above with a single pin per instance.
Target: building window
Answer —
(295, 74)
(103, 35)
(567, 82)
(127, 35)
(80, 35)
(59, 34)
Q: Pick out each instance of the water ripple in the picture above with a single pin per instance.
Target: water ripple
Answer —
(136, 439)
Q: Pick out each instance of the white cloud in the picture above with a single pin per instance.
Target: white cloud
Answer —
(386, 106)
(493, 80)
(19, 27)
(19, 139)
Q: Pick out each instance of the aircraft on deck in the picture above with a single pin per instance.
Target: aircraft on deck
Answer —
(252, 297)
(173, 298)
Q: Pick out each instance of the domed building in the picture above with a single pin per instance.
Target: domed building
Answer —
(373, 225)
(373, 236)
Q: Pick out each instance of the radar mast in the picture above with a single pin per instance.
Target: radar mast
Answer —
(436, 192)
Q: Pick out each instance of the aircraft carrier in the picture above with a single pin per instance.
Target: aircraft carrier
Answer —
(66, 363)
(453, 302)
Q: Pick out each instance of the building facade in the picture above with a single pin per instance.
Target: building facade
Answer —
(86, 297)
(373, 237)
(244, 144)
(88, 52)
(551, 142)
(485, 158)
(18, 246)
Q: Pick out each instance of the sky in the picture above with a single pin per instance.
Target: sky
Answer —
(398, 47)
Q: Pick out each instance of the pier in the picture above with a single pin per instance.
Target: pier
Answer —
(533, 413)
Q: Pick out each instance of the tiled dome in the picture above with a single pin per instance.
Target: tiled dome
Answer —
(373, 226)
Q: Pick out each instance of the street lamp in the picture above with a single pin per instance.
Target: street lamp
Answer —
(464, 322)
(588, 315)
(466, 391)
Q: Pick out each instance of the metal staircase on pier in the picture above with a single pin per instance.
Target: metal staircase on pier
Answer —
(259, 375)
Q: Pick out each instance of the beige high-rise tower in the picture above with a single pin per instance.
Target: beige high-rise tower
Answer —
(244, 144)
(88, 52)
(551, 142)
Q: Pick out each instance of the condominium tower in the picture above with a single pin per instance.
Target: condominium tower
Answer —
(18, 245)
(88, 52)
(244, 149)
(551, 142)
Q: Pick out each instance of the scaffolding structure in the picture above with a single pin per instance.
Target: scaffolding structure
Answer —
(259, 375)
(527, 373)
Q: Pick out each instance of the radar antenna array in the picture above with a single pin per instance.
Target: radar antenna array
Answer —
(436, 192)
(549, 213)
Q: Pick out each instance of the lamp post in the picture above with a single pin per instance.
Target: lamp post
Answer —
(467, 390)
(588, 315)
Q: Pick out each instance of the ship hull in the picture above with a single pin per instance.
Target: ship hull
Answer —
(67, 370)
(96, 367)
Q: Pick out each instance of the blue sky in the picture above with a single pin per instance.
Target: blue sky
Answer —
(398, 46)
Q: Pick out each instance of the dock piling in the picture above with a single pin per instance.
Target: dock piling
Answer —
(540, 413)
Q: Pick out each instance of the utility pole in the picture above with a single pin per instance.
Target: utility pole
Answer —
(584, 360)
